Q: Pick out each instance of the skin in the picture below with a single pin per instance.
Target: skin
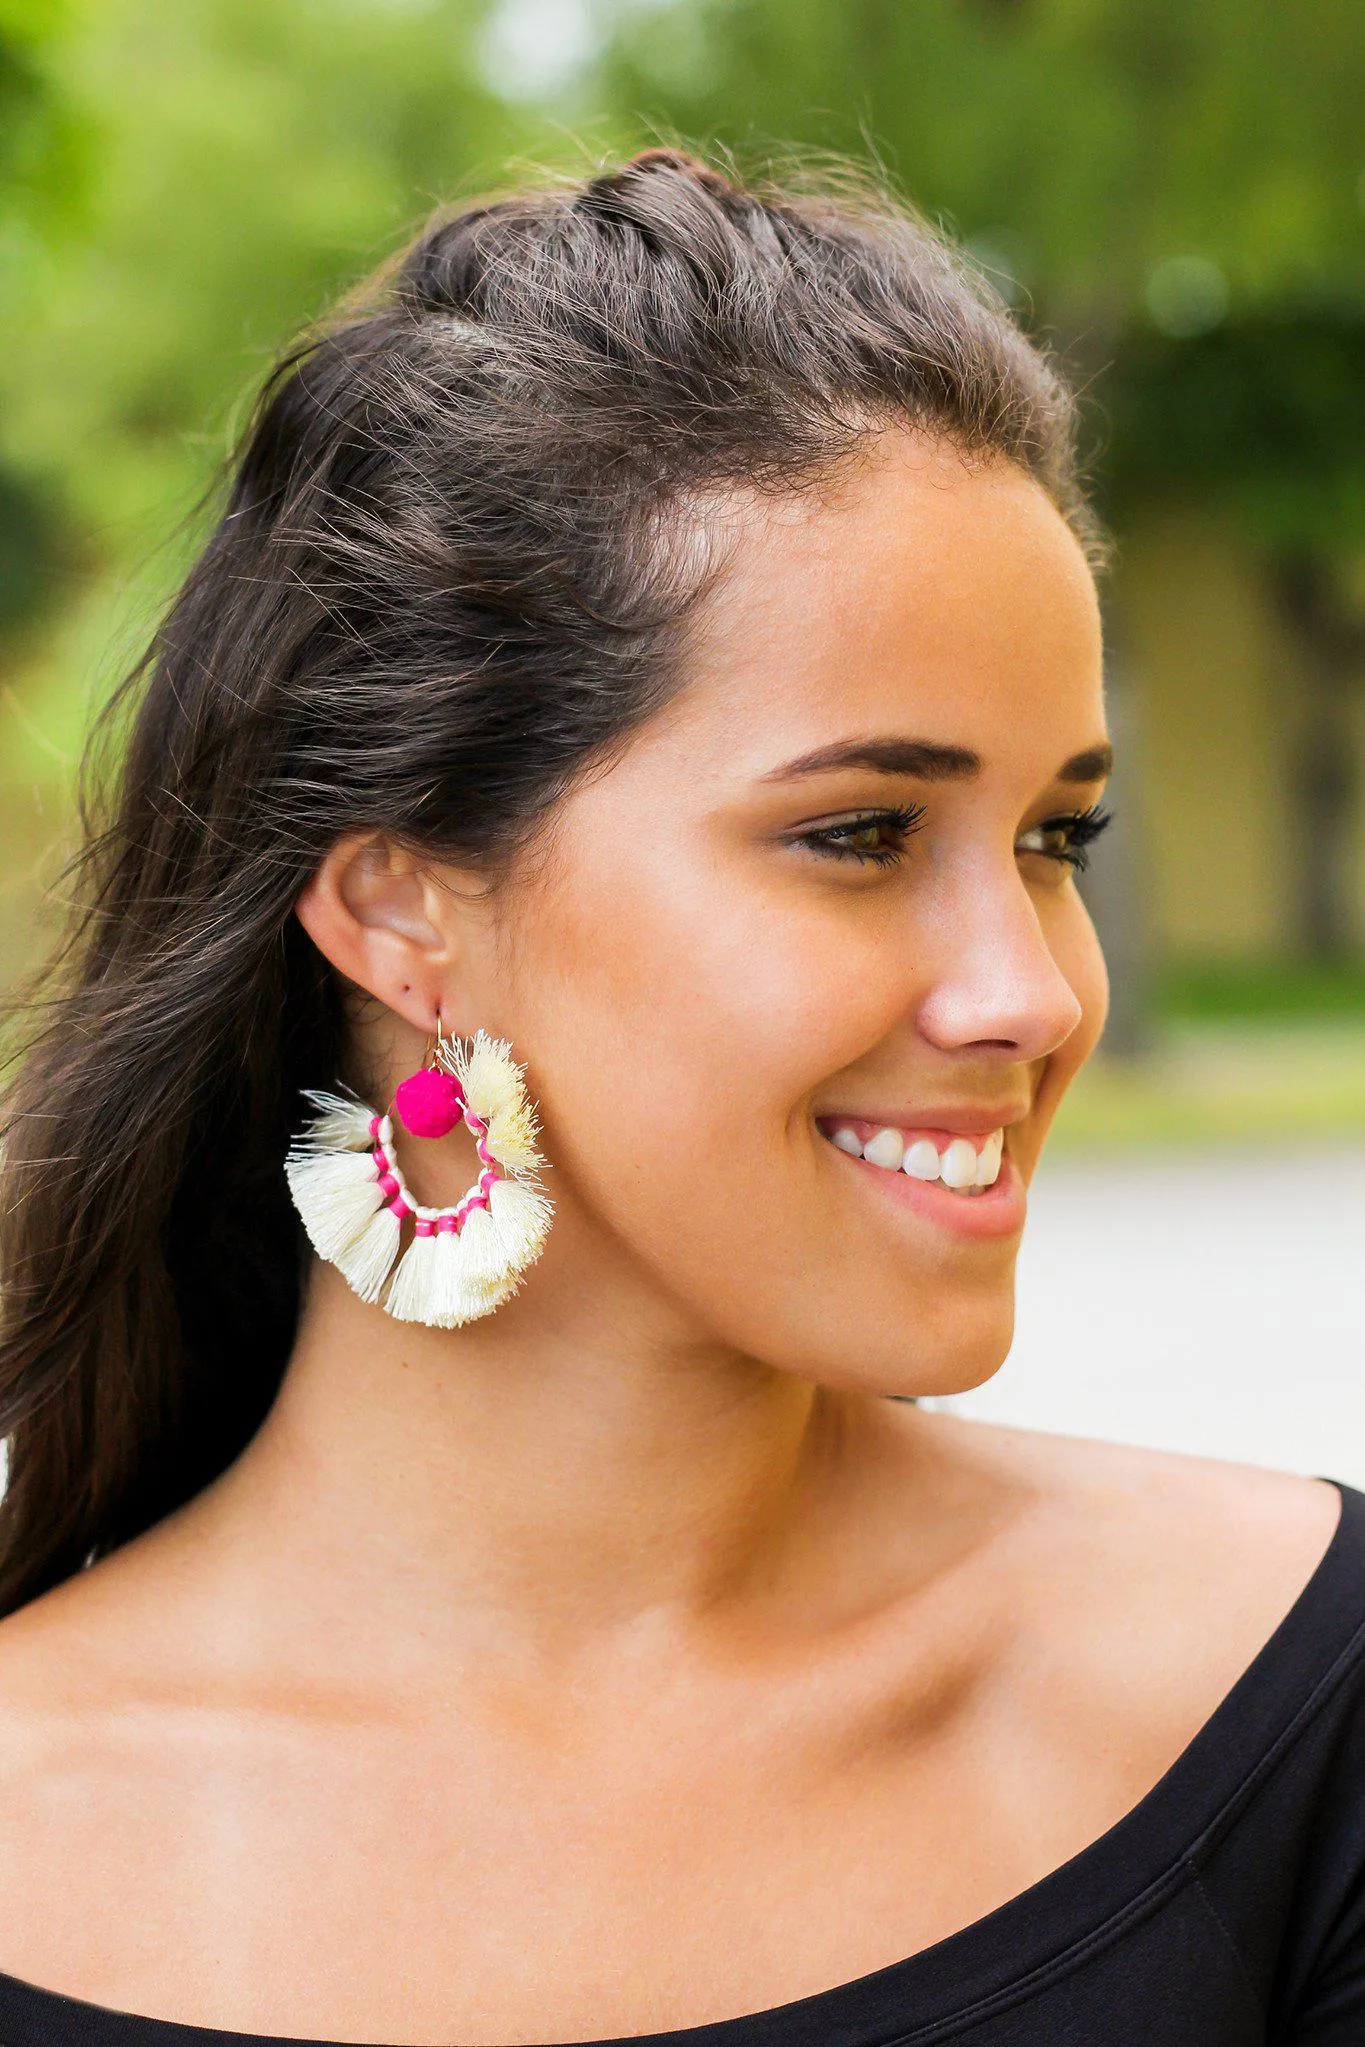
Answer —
(628, 1660)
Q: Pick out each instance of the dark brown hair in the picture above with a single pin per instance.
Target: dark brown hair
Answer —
(448, 576)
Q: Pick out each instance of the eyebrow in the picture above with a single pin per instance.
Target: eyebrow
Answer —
(927, 760)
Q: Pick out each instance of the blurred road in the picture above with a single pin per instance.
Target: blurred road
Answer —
(1205, 1302)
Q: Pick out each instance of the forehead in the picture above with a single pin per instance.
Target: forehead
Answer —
(918, 591)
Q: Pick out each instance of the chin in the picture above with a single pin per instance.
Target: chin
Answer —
(959, 1366)
(963, 1370)
(955, 1339)
(952, 1350)
(962, 1345)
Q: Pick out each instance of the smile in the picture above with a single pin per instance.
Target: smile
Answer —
(967, 1165)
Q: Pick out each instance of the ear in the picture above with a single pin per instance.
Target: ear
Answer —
(383, 921)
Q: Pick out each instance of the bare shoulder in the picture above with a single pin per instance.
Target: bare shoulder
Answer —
(59, 1703)
(93, 1672)
(1202, 1527)
(98, 1748)
(67, 1646)
(72, 1665)
(1151, 1580)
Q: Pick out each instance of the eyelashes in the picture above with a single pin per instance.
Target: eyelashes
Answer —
(878, 837)
(856, 837)
(1070, 835)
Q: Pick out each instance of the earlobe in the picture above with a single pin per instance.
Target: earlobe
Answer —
(368, 909)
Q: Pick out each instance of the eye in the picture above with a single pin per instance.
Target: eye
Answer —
(871, 836)
(1066, 838)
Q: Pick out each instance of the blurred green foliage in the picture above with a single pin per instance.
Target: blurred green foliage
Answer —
(1096, 138)
(1175, 193)
(181, 187)
(1260, 991)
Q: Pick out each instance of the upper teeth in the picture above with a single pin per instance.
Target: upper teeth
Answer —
(885, 1148)
(960, 1165)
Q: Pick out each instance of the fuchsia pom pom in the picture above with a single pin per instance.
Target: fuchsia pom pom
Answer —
(430, 1103)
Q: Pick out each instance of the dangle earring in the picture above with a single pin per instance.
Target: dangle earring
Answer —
(346, 1183)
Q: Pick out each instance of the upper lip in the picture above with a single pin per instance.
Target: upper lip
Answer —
(970, 1122)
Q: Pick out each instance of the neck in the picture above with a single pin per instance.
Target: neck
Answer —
(563, 1466)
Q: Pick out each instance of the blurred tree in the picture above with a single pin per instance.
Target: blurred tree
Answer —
(1174, 195)
(1263, 420)
(231, 165)
(32, 134)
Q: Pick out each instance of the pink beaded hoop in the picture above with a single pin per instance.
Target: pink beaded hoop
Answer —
(395, 1188)
(463, 1260)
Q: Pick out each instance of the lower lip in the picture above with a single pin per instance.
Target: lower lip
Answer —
(998, 1211)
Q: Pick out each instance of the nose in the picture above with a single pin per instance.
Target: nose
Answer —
(998, 987)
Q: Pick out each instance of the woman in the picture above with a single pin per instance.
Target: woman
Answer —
(657, 632)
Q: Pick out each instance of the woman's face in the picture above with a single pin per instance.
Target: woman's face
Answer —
(825, 894)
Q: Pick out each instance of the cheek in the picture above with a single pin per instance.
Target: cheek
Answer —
(1076, 949)
(706, 1009)
(678, 1015)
